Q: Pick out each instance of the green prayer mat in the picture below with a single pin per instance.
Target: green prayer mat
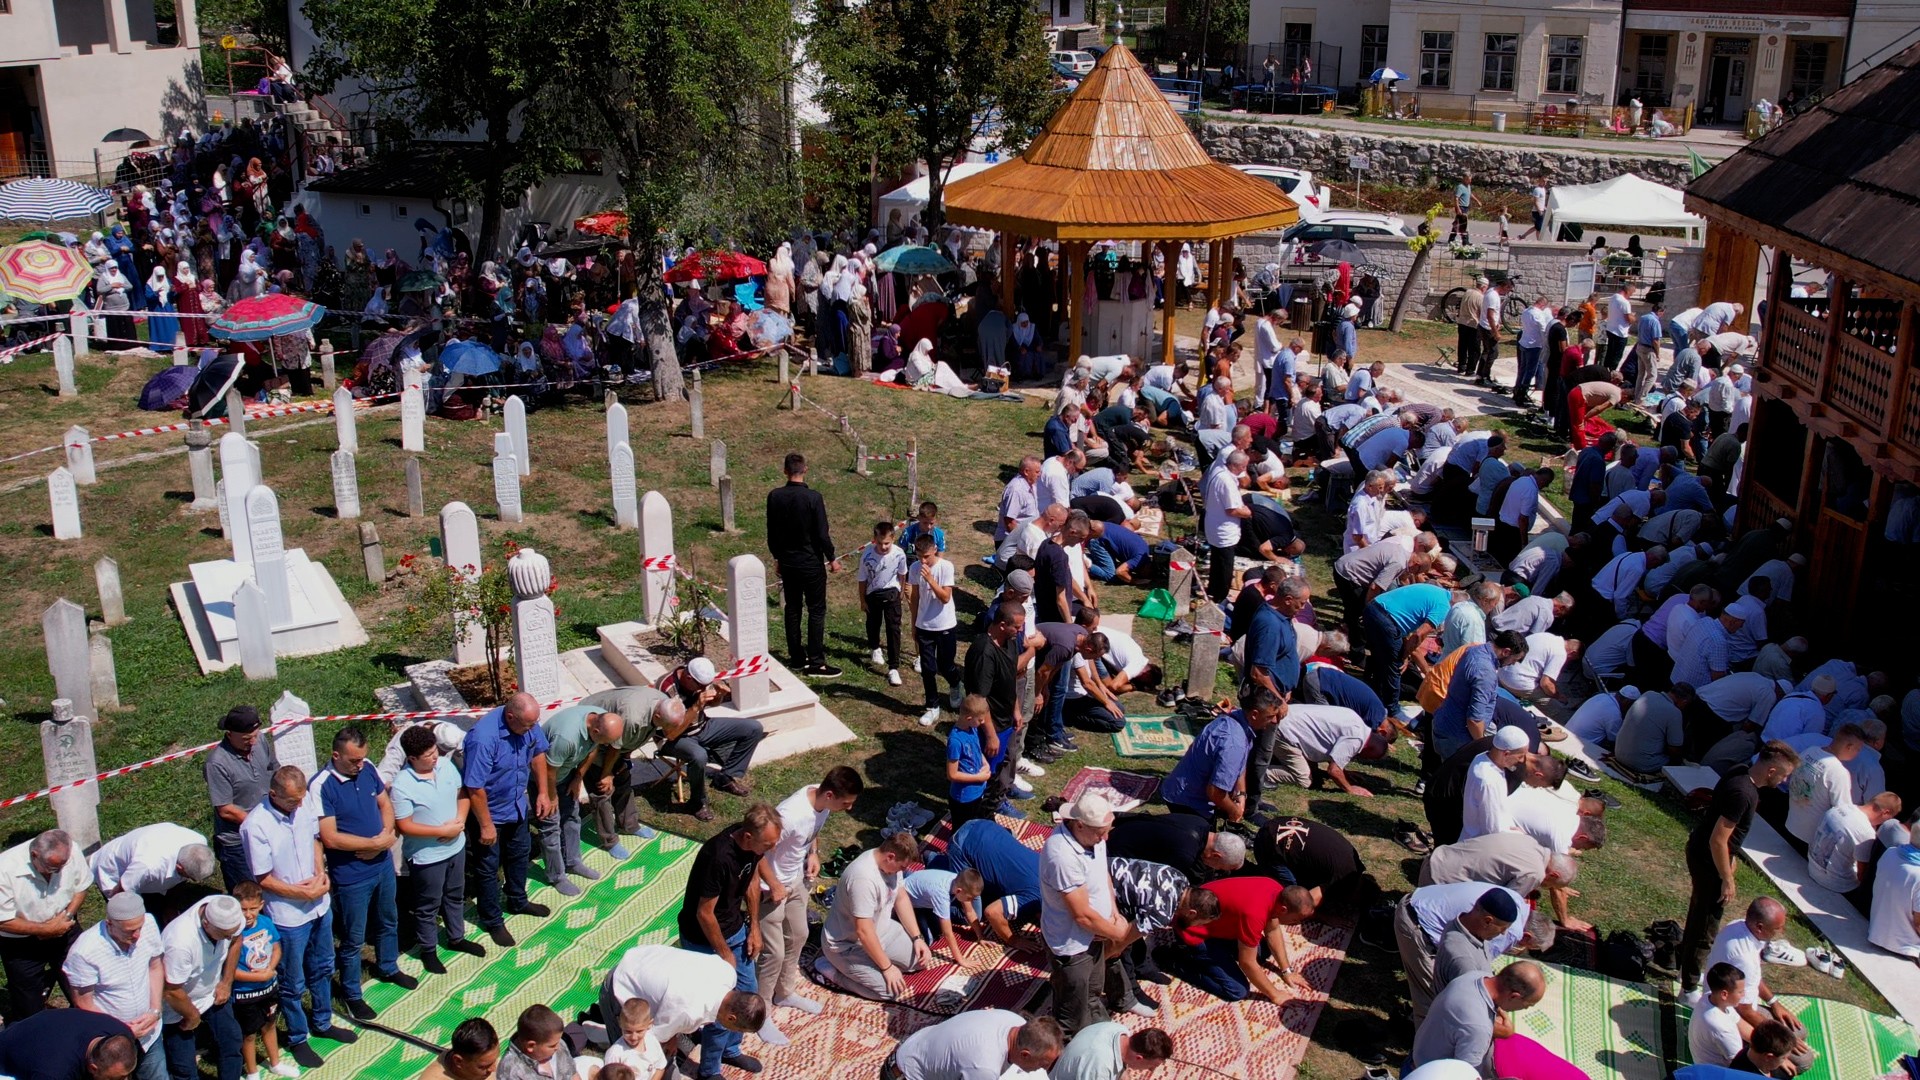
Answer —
(1153, 736)
(1852, 1043)
(1609, 1028)
(559, 961)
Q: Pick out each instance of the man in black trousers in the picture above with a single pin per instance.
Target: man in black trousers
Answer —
(802, 548)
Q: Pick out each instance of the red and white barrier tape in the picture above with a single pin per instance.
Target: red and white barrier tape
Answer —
(7, 354)
(903, 456)
(662, 562)
(752, 665)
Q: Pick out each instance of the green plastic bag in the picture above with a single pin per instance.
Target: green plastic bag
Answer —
(1158, 605)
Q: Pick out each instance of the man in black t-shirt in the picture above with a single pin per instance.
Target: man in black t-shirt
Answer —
(1676, 429)
(1055, 598)
(992, 671)
(1311, 855)
(1713, 850)
(721, 915)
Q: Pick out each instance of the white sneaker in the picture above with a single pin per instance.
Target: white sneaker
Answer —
(1028, 768)
(1820, 960)
(1781, 951)
(893, 677)
(1022, 788)
(930, 717)
(254, 1075)
(879, 658)
(284, 1068)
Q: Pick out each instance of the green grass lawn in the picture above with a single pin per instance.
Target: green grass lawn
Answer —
(137, 515)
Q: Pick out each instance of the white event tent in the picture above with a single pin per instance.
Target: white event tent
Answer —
(1626, 201)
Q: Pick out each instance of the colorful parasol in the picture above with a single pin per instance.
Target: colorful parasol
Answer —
(604, 223)
(258, 318)
(913, 259)
(42, 199)
(713, 266)
(42, 272)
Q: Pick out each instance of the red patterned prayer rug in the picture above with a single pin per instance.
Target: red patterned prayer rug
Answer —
(1128, 791)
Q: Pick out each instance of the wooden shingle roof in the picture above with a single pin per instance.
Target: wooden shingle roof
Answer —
(1117, 162)
(1838, 184)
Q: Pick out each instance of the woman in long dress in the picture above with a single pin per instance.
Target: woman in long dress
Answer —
(162, 325)
(1188, 273)
(1029, 361)
(779, 286)
(923, 372)
(186, 298)
(113, 295)
(860, 332)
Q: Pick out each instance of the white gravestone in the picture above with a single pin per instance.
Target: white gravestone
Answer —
(226, 521)
(747, 626)
(328, 377)
(346, 485)
(413, 421)
(346, 424)
(199, 440)
(181, 358)
(106, 681)
(269, 553)
(626, 508)
(78, 444)
(515, 413)
(79, 334)
(697, 408)
(416, 492)
(237, 412)
(460, 546)
(617, 429)
(536, 648)
(64, 628)
(65, 500)
(295, 745)
(656, 542)
(63, 366)
(506, 487)
(716, 462)
(255, 628)
(66, 749)
(113, 598)
(238, 475)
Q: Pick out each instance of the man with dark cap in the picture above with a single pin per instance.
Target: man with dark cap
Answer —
(1463, 947)
(238, 771)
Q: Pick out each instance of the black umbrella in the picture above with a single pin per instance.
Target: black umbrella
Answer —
(126, 135)
(207, 400)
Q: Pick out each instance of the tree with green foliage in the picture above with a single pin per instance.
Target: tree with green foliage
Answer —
(454, 67)
(261, 23)
(931, 79)
(686, 97)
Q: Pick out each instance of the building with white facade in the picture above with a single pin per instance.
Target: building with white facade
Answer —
(71, 71)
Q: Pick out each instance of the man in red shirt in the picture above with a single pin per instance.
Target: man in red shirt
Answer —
(1226, 957)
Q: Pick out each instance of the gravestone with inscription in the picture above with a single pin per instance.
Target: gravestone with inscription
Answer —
(268, 544)
(239, 474)
(106, 681)
(413, 421)
(346, 485)
(626, 507)
(536, 648)
(64, 499)
(63, 627)
(113, 597)
(294, 745)
(747, 626)
(617, 427)
(506, 487)
(66, 749)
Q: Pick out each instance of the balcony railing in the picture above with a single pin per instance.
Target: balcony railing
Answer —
(1862, 382)
(1800, 342)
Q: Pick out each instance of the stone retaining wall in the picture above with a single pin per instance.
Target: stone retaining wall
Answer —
(1423, 162)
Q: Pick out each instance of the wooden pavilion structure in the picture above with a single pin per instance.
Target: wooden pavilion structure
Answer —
(1116, 162)
(1835, 432)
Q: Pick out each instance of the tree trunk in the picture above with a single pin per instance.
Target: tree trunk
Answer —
(656, 323)
(493, 192)
(1418, 274)
(935, 215)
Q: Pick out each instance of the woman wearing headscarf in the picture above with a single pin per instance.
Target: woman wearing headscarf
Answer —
(292, 355)
(779, 285)
(887, 357)
(860, 332)
(186, 299)
(250, 279)
(1187, 274)
(812, 272)
(356, 280)
(95, 250)
(1029, 362)
(113, 295)
(923, 372)
(162, 325)
(121, 248)
(990, 337)
(256, 185)
(623, 334)
(829, 339)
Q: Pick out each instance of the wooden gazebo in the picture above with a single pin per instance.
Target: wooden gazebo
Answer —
(1116, 162)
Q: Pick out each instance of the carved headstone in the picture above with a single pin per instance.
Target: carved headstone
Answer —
(255, 628)
(515, 415)
(626, 507)
(106, 682)
(372, 555)
(506, 487)
(78, 443)
(346, 421)
(413, 421)
(236, 412)
(63, 627)
(1206, 651)
(294, 745)
(716, 462)
(113, 598)
(64, 498)
(536, 648)
(239, 474)
(66, 749)
(656, 542)
(206, 493)
(346, 485)
(617, 427)
(460, 545)
(416, 493)
(1180, 580)
(269, 553)
(327, 375)
(747, 625)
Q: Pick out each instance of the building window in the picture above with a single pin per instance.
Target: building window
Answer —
(1373, 49)
(1809, 68)
(1436, 60)
(1066, 8)
(365, 209)
(1496, 70)
(1650, 67)
(1563, 63)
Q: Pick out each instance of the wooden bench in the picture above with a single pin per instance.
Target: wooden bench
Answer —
(1829, 912)
(1557, 123)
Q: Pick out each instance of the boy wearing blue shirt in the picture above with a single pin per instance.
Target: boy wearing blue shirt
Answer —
(256, 983)
(926, 524)
(967, 770)
(936, 895)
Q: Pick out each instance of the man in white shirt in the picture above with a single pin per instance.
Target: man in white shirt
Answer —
(1484, 802)
(1226, 508)
(1597, 721)
(687, 990)
(1619, 580)
(1761, 936)
(197, 992)
(1716, 317)
(1717, 1034)
(1082, 927)
(1618, 326)
(785, 872)
(1019, 500)
(984, 1044)
(160, 863)
(1820, 783)
(1514, 518)
(42, 885)
(1366, 510)
(1838, 856)
(872, 937)
(1056, 479)
(115, 968)
(1266, 346)
(1215, 416)
(1535, 322)
(281, 837)
(1894, 924)
(1536, 675)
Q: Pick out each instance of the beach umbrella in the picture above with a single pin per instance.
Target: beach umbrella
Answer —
(42, 272)
(913, 259)
(419, 281)
(604, 223)
(42, 199)
(1386, 74)
(716, 266)
(469, 358)
(207, 399)
(258, 318)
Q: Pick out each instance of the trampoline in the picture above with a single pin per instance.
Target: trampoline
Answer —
(1309, 98)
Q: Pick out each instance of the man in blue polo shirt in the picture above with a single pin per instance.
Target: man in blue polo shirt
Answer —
(1468, 711)
(505, 755)
(1323, 683)
(1396, 623)
(356, 828)
(1211, 777)
(1009, 868)
(1115, 553)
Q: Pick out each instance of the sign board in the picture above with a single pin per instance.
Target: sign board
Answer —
(1357, 162)
(1580, 280)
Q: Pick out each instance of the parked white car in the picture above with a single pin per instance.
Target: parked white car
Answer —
(1297, 242)
(1079, 60)
(1297, 184)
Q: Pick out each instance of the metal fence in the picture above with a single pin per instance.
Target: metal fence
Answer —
(115, 167)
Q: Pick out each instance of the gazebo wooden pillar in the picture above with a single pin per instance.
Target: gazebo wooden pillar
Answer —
(1117, 163)
(1009, 273)
(1171, 249)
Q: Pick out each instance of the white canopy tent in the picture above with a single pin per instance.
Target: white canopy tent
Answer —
(911, 197)
(1626, 201)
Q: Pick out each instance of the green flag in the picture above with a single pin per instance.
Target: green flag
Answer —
(1699, 163)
